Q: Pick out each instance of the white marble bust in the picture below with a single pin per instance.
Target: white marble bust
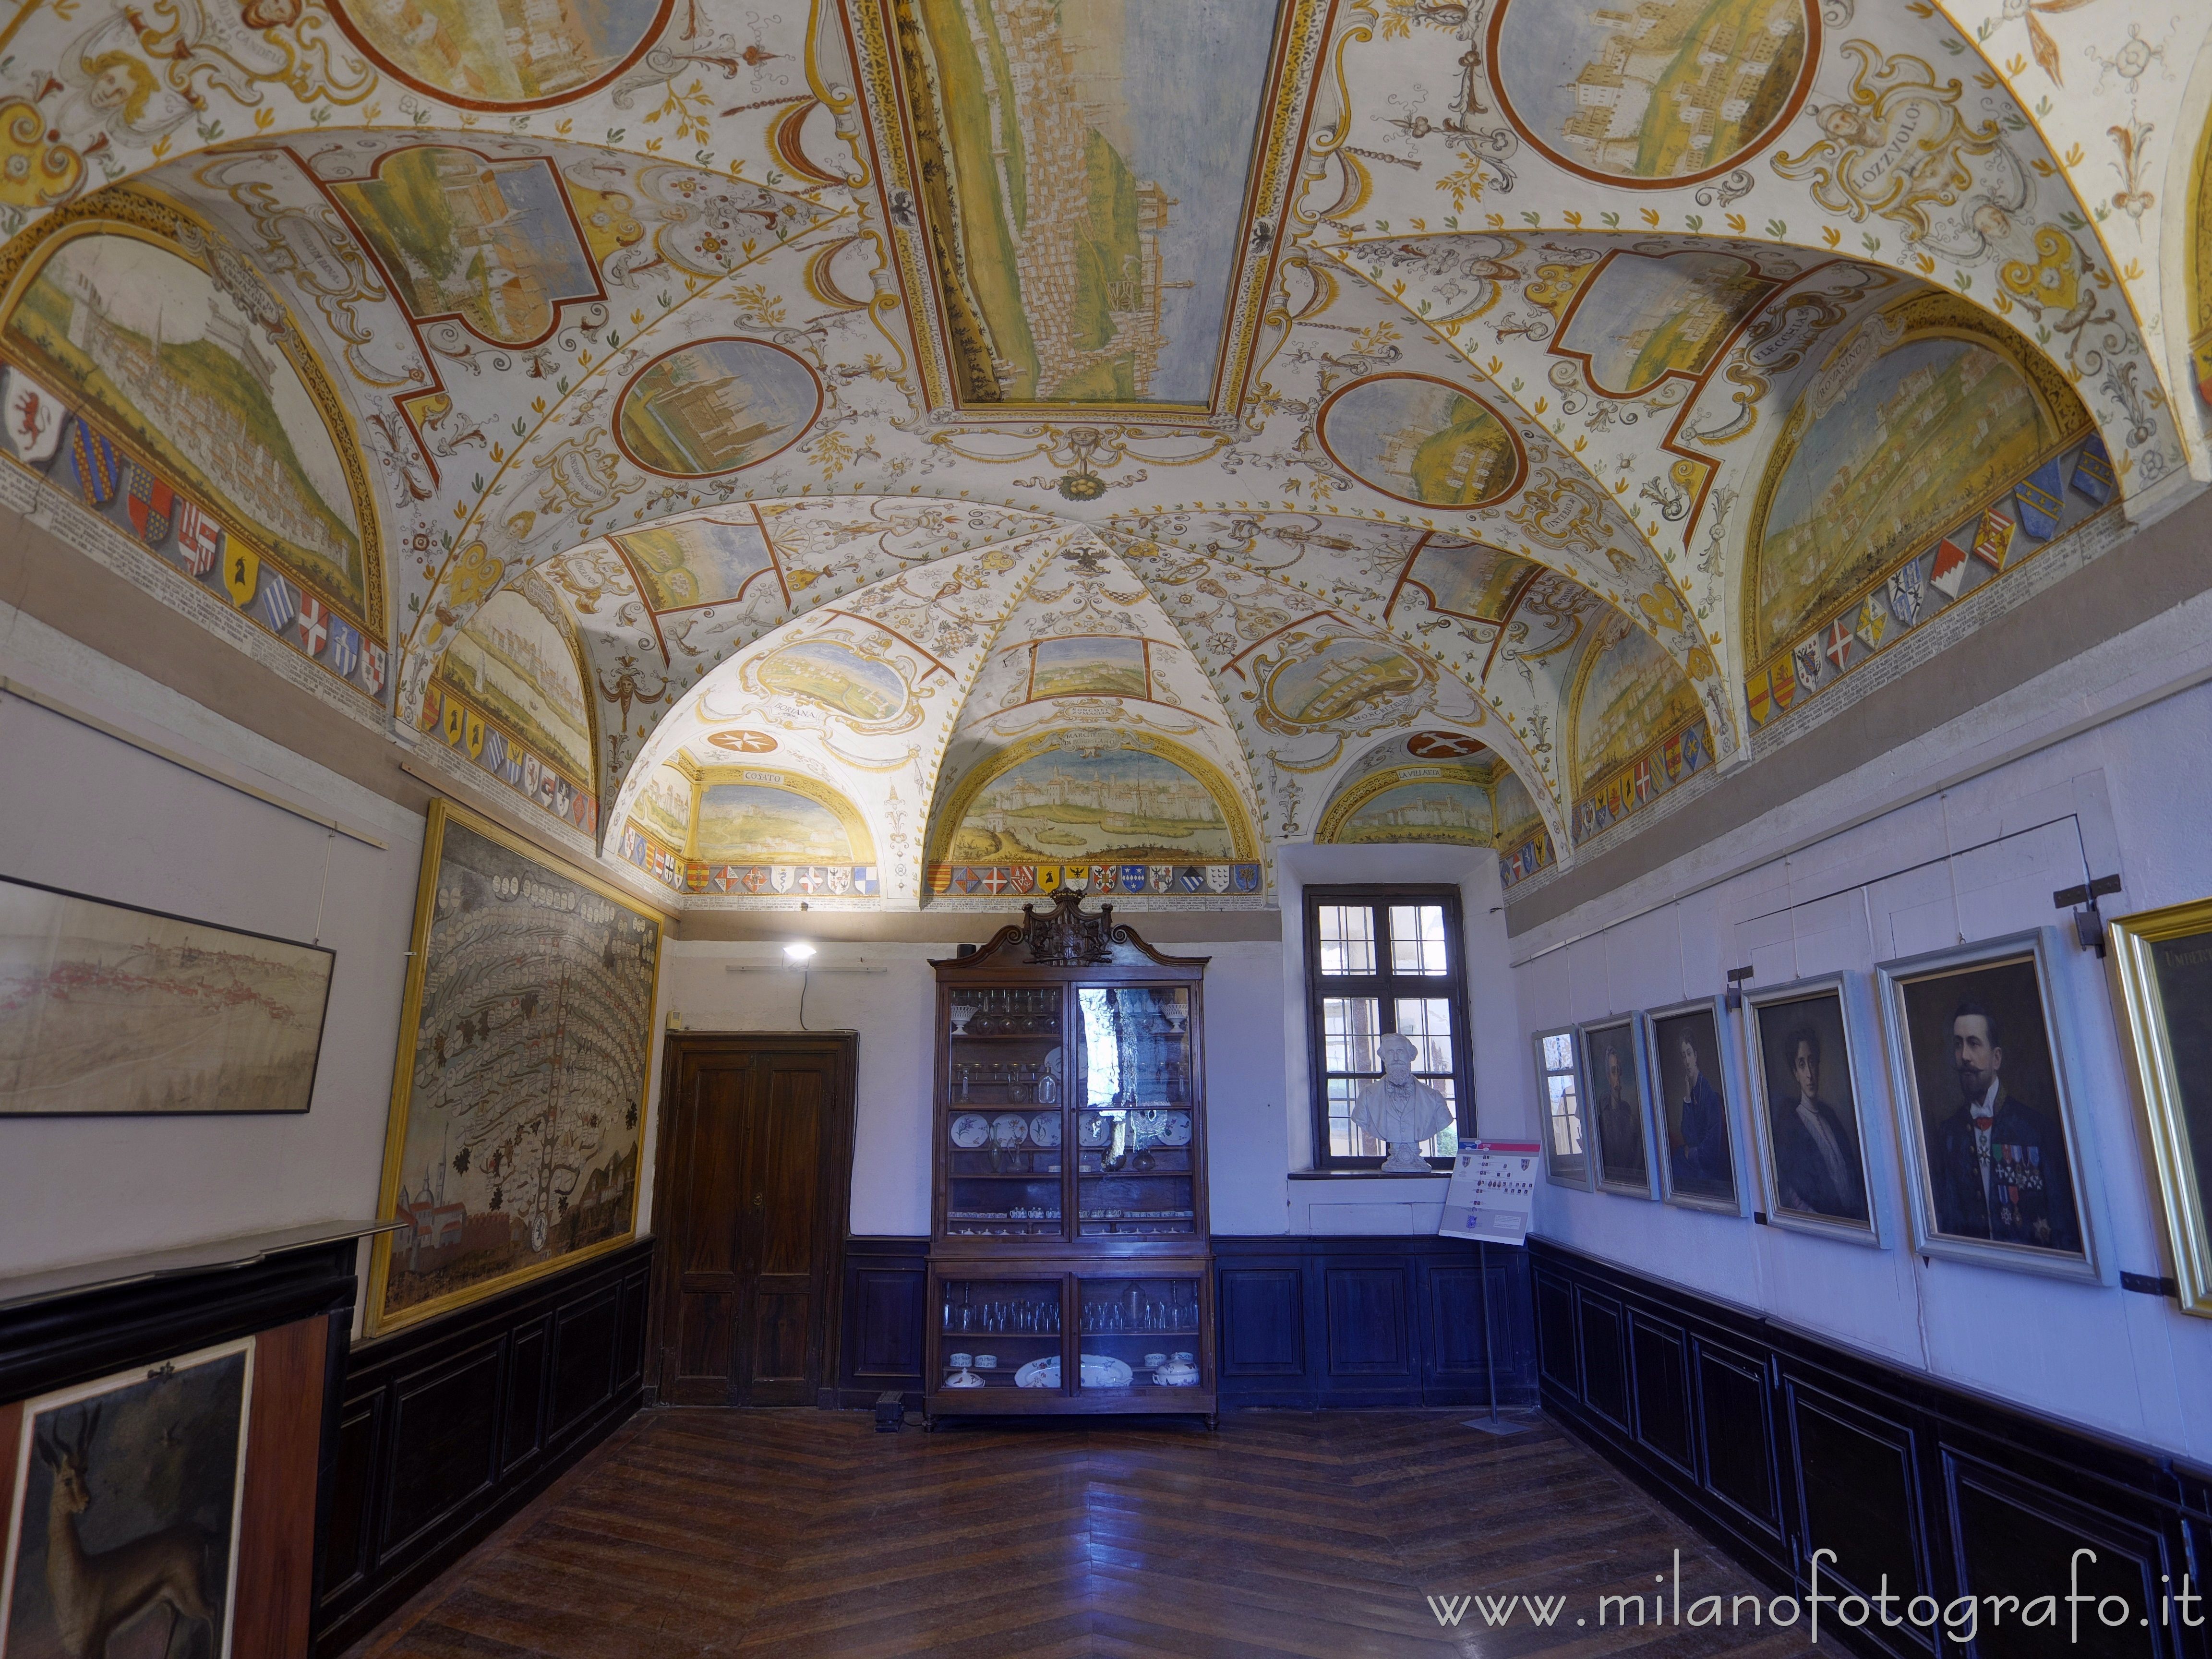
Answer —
(1400, 1110)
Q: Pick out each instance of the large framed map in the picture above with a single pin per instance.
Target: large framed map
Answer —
(525, 1041)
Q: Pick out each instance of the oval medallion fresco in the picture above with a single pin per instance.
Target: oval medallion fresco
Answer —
(1663, 93)
(1421, 441)
(715, 407)
(502, 54)
(835, 676)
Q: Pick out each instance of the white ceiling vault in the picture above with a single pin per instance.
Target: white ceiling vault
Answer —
(896, 453)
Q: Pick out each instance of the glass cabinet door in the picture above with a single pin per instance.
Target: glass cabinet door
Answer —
(1140, 1334)
(1004, 1120)
(1135, 1122)
(997, 1334)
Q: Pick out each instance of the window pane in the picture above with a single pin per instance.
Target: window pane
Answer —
(1345, 1138)
(1427, 1020)
(1566, 1124)
(1559, 1052)
(1347, 938)
(1445, 1142)
(1348, 1027)
(1417, 939)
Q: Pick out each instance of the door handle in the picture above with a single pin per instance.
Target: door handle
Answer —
(759, 1201)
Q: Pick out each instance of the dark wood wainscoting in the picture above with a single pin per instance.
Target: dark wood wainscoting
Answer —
(1321, 1322)
(1777, 1445)
(1302, 1322)
(446, 1428)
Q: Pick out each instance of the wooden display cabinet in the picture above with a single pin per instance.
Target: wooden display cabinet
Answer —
(1069, 1211)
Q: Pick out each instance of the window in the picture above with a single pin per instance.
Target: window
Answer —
(1380, 960)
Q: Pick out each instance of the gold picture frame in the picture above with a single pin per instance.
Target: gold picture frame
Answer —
(2150, 960)
(477, 1020)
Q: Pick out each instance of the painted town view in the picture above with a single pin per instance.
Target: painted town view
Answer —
(835, 676)
(762, 822)
(1919, 435)
(1426, 810)
(1642, 317)
(715, 407)
(528, 1075)
(503, 51)
(458, 235)
(1664, 88)
(1118, 805)
(1633, 694)
(1095, 666)
(513, 661)
(1097, 160)
(1421, 441)
(145, 336)
(105, 1009)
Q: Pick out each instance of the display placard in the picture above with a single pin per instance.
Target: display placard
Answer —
(1493, 1189)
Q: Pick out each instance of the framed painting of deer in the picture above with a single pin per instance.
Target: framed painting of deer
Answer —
(123, 1537)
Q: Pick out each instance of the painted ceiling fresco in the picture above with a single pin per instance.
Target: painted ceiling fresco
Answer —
(914, 452)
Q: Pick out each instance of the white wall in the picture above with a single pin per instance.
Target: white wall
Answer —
(85, 811)
(2106, 780)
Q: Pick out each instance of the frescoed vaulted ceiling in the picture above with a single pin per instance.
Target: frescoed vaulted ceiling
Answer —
(896, 453)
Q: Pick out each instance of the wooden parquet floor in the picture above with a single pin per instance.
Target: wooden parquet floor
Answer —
(804, 1534)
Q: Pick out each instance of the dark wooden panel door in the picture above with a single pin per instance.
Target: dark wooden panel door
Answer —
(755, 1160)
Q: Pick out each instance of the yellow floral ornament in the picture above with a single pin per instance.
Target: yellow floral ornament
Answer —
(34, 173)
(473, 573)
(2053, 282)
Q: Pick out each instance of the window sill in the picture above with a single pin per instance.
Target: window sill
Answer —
(1368, 1175)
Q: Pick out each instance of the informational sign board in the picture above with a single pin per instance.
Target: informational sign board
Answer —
(1493, 1190)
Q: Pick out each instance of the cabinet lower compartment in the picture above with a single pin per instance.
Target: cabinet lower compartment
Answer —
(1023, 1335)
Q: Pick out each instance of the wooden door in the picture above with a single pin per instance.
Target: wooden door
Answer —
(751, 1191)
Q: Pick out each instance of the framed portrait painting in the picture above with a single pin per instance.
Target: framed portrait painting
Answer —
(1567, 1160)
(1807, 1079)
(1613, 1070)
(525, 1035)
(2163, 961)
(1692, 1111)
(1992, 1166)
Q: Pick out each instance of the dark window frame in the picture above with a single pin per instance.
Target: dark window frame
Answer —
(1386, 987)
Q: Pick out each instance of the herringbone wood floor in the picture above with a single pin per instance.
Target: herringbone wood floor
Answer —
(802, 1532)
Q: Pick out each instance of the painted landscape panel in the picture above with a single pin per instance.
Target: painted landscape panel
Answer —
(491, 242)
(1902, 443)
(1099, 154)
(160, 1453)
(502, 53)
(716, 407)
(1338, 682)
(698, 562)
(1644, 316)
(763, 824)
(1662, 90)
(1094, 665)
(529, 1027)
(1421, 441)
(663, 805)
(1634, 696)
(1467, 578)
(515, 661)
(144, 335)
(837, 677)
(1451, 809)
(1117, 805)
(107, 1009)
(1517, 817)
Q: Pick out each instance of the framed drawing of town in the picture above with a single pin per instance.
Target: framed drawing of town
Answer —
(108, 1009)
(526, 1036)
